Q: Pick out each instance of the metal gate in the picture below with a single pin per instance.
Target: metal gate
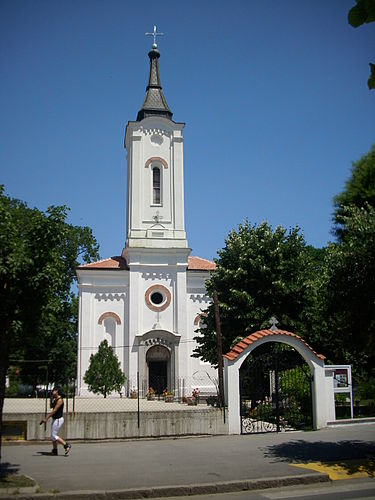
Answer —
(275, 390)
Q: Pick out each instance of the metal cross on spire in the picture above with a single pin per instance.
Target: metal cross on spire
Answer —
(154, 34)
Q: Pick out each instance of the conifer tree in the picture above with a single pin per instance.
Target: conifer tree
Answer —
(104, 374)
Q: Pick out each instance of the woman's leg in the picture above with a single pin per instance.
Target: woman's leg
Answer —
(55, 427)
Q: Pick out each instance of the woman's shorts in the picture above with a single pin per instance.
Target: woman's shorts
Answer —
(56, 424)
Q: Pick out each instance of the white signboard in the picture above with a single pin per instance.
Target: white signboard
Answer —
(342, 382)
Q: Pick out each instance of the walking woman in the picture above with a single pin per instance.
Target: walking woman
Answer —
(57, 405)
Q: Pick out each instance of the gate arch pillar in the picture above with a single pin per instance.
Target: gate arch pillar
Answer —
(321, 381)
(232, 396)
(323, 395)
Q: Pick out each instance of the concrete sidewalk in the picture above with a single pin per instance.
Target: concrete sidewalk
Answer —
(166, 467)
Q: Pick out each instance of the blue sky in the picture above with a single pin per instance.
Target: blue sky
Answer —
(273, 93)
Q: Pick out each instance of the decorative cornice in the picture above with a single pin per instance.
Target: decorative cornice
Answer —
(156, 275)
(199, 297)
(110, 296)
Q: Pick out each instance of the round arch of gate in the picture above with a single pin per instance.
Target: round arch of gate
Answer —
(234, 359)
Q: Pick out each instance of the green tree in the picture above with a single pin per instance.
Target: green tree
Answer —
(104, 375)
(363, 13)
(39, 253)
(345, 326)
(55, 339)
(260, 273)
(359, 190)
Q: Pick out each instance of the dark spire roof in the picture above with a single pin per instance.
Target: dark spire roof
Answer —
(154, 102)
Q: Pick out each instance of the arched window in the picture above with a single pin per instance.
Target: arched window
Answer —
(110, 331)
(156, 186)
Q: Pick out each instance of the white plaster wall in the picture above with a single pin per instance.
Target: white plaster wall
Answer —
(155, 137)
(101, 292)
(150, 267)
(200, 374)
(330, 394)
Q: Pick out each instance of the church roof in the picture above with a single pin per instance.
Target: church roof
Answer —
(199, 264)
(154, 102)
(118, 262)
(243, 344)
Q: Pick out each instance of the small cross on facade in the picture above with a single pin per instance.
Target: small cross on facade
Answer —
(157, 217)
(273, 322)
(154, 34)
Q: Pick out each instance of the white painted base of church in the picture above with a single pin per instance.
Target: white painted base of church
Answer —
(153, 342)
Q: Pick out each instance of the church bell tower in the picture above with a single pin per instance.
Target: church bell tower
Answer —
(155, 185)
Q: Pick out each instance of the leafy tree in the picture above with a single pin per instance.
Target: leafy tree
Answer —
(359, 190)
(39, 253)
(260, 273)
(346, 309)
(363, 13)
(104, 375)
(55, 339)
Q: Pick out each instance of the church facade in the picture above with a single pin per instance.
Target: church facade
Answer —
(147, 303)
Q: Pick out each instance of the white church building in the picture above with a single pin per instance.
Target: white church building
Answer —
(147, 302)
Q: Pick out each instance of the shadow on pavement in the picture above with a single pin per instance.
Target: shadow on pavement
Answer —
(7, 469)
(353, 456)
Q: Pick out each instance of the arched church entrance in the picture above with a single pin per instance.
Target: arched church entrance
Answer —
(275, 390)
(159, 367)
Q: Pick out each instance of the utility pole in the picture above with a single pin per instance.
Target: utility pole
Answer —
(219, 349)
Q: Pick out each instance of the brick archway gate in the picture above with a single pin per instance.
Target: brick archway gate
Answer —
(235, 358)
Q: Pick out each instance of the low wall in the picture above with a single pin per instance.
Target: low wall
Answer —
(116, 425)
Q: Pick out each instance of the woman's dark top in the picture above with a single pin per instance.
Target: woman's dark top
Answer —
(59, 412)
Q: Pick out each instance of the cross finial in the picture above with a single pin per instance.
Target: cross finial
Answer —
(157, 217)
(154, 34)
(273, 322)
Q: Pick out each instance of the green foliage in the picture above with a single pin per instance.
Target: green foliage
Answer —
(341, 398)
(362, 13)
(366, 389)
(39, 253)
(13, 379)
(293, 414)
(344, 329)
(104, 375)
(260, 273)
(359, 190)
(295, 382)
(371, 79)
(262, 411)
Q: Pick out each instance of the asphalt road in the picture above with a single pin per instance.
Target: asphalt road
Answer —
(190, 461)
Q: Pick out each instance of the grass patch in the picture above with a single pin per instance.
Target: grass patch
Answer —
(15, 481)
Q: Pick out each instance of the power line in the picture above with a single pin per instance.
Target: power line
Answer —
(131, 345)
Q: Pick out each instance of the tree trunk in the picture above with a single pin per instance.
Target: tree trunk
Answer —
(4, 365)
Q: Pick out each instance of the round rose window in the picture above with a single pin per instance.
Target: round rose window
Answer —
(158, 297)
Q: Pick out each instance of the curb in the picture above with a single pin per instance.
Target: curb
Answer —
(181, 490)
